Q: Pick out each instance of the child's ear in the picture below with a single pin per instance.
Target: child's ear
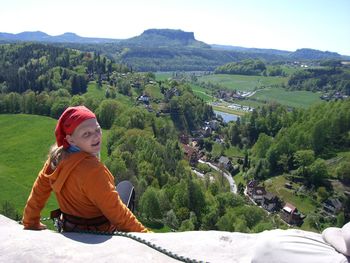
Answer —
(69, 139)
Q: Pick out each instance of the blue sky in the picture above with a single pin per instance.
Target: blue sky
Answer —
(278, 24)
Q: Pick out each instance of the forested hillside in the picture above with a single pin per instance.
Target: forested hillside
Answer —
(143, 144)
(169, 50)
(333, 76)
(151, 124)
(308, 148)
(41, 67)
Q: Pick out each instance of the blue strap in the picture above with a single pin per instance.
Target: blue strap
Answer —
(73, 149)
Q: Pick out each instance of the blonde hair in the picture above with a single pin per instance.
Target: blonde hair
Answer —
(56, 155)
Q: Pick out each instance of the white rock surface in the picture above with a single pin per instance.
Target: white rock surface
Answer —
(18, 245)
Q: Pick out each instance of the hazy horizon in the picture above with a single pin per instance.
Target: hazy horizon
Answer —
(285, 25)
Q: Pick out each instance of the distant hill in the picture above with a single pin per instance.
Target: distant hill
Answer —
(169, 50)
(165, 38)
(251, 50)
(312, 54)
(38, 36)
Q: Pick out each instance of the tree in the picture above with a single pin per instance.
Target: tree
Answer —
(234, 134)
(284, 162)
(240, 188)
(146, 171)
(106, 113)
(13, 102)
(171, 219)
(319, 135)
(75, 84)
(196, 198)
(43, 104)
(181, 196)
(124, 88)
(164, 201)
(304, 158)
(136, 119)
(314, 220)
(262, 145)
(58, 107)
(77, 100)
(322, 194)
(318, 172)
(261, 170)
(187, 225)
(227, 200)
(117, 166)
(29, 102)
(210, 219)
(149, 204)
(251, 214)
(343, 171)
(226, 222)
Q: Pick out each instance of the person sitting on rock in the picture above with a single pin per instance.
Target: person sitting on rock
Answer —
(84, 187)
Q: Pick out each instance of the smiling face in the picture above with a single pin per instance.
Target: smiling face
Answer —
(87, 136)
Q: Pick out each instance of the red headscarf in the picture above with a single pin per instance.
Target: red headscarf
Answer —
(69, 120)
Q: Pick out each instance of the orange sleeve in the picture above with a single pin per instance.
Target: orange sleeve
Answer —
(36, 201)
(100, 189)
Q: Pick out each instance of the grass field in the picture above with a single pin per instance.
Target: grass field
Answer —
(228, 110)
(265, 90)
(304, 203)
(298, 99)
(154, 92)
(202, 93)
(94, 91)
(163, 75)
(25, 141)
(242, 82)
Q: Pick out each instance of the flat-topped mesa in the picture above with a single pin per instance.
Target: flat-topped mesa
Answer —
(17, 245)
(171, 34)
(160, 38)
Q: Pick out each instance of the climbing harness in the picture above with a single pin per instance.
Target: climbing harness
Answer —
(59, 226)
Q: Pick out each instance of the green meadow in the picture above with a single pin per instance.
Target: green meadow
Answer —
(243, 82)
(94, 91)
(25, 141)
(202, 93)
(163, 75)
(265, 87)
(298, 99)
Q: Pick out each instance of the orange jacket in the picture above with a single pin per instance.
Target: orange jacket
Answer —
(85, 188)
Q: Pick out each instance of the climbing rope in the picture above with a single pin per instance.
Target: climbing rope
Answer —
(133, 237)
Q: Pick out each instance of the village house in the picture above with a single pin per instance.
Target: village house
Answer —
(184, 139)
(291, 215)
(136, 85)
(270, 202)
(144, 99)
(194, 144)
(172, 92)
(225, 163)
(191, 154)
(214, 124)
(332, 206)
(250, 186)
(197, 135)
(207, 131)
(219, 141)
(258, 194)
